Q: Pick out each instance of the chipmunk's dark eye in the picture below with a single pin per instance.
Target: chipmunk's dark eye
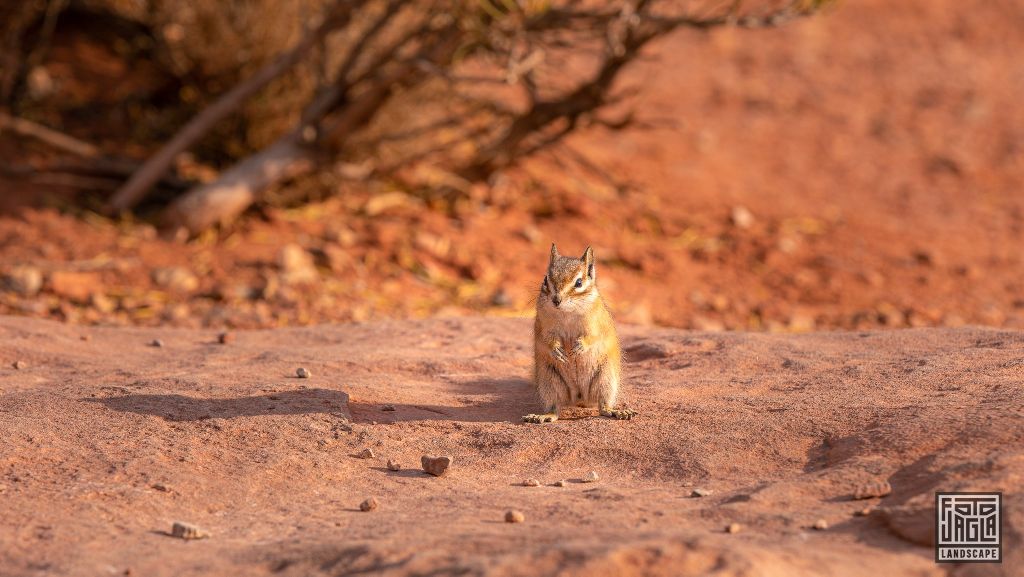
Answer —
(579, 283)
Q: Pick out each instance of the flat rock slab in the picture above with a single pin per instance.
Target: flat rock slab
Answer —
(108, 441)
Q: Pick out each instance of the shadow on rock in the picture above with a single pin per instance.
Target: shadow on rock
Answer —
(184, 408)
(485, 401)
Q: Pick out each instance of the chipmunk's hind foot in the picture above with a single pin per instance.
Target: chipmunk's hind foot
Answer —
(619, 414)
(541, 418)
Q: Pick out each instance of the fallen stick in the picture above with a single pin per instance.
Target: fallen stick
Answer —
(238, 187)
(46, 135)
(291, 156)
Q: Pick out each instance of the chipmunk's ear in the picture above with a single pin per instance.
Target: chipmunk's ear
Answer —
(588, 261)
(554, 254)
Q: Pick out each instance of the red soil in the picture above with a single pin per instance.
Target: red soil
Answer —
(102, 452)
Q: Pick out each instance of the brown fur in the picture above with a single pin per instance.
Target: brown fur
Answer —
(577, 358)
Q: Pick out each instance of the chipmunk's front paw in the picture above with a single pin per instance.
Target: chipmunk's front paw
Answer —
(542, 418)
(579, 347)
(620, 414)
(559, 354)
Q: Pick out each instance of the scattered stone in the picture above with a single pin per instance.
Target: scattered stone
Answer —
(40, 83)
(175, 279)
(160, 487)
(20, 365)
(76, 286)
(366, 453)
(26, 281)
(86, 337)
(591, 477)
(501, 299)
(388, 408)
(801, 322)
(388, 201)
(188, 531)
(342, 235)
(297, 266)
(559, 483)
(820, 525)
(863, 512)
(701, 492)
(514, 517)
(156, 343)
(436, 466)
(913, 520)
(742, 217)
(734, 528)
(708, 324)
(102, 303)
(531, 483)
(393, 466)
(303, 373)
(872, 489)
(226, 338)
(368, 505)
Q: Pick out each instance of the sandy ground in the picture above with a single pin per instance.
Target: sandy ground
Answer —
(108, 440)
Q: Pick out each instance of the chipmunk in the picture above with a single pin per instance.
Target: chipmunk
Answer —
(576, 349)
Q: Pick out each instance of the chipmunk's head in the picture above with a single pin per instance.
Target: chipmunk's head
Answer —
(571, 283)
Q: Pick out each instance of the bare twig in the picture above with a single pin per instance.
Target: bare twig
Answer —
(74, 181)
(38, 54)
(49, 136)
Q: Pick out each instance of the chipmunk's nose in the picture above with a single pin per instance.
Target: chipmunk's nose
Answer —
(557, 300)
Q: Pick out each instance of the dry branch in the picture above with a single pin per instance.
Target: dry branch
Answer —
(236, 189)
(291, 156)
(139, 184)
(54, 138)
(393, 51)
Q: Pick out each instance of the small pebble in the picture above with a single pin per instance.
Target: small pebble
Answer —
(742, 217)
(388, 408)
(86, 337)
(187, 531)
(156, 343)
(821, 524)
(514, 517)
(393, 466)
(303, 373)
(436, 466)
(734, 528)
(863, 512)
(226, 338)
(559, 483)
(531, 483)
(20, 365)
(701, 492)
(591, 477)
(872, 489)
(368, 505)
(366, 453)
